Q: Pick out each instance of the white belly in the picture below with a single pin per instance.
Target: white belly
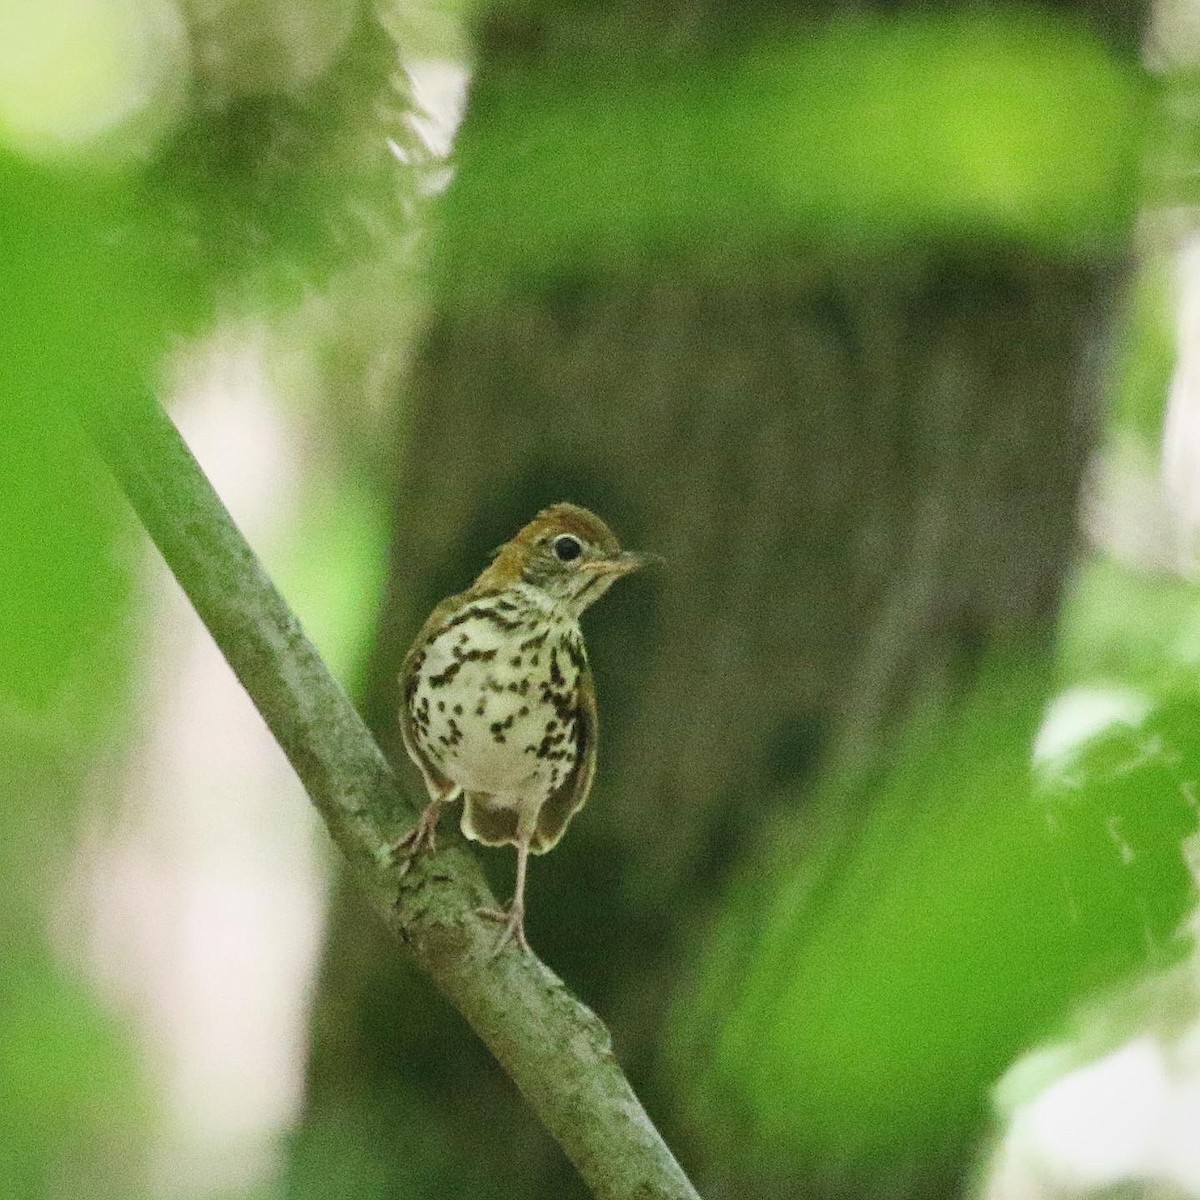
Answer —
(490, 708)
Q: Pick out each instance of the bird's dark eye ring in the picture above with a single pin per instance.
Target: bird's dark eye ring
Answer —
(566, 547)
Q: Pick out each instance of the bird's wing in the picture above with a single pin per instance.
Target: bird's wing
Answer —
(435, 781)
(570, 795)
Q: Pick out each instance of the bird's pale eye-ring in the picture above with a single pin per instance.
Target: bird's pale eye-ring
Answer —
(567, 547)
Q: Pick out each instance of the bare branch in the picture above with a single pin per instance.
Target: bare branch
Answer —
(555, 1049)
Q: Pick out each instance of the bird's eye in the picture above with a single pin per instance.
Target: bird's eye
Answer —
(566, 547)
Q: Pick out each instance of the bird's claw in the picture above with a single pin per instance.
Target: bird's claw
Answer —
(514, 926)
(422, 837)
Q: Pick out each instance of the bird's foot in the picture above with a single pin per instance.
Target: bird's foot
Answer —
(514, 926)
(423, 837)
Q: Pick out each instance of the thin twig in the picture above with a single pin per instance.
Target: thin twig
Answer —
(555, 1049)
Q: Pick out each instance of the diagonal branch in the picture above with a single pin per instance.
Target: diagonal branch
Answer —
(556, 1050)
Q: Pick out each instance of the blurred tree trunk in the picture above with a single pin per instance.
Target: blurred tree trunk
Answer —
(862, 470)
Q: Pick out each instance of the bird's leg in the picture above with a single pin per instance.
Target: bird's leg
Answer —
(514, 916)
(423, 836)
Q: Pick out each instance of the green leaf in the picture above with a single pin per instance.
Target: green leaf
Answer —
(857, 1017)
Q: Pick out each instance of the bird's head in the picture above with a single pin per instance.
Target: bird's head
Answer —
(567, 553)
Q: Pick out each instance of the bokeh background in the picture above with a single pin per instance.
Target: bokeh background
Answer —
(877, 320)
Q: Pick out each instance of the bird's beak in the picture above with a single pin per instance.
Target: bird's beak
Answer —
(624, 563)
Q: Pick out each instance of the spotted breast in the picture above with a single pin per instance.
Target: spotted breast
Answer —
(494, 706)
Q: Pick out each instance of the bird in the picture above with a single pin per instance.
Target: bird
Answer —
(498, 702)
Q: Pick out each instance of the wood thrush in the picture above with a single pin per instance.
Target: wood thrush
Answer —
(499, 707)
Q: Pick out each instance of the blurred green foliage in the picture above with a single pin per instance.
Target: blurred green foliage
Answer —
(1144, 353)
(104, 264)
(333, 565)
(72, 1103)
(1130, 627)
(270, 194)
(106, 259)
(1006, 125)
(980, 900)
(80, 323)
